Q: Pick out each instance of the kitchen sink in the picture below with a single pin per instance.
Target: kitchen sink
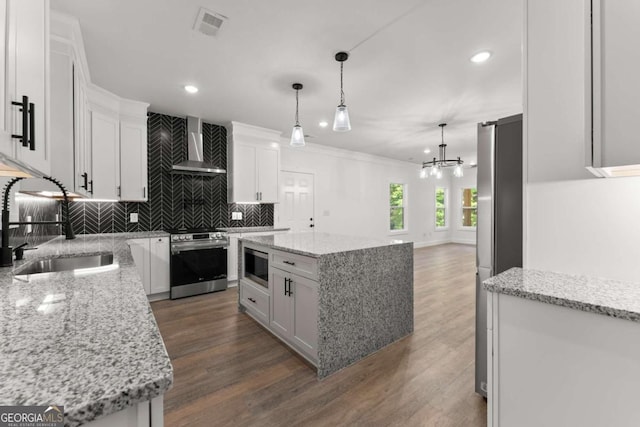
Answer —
(53, 265)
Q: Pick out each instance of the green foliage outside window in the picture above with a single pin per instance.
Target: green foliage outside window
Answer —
(469, 207)
(396, 200)
(441, 207)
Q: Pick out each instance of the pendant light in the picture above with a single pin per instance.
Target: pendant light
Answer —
(297, 135)
(341, 121)
(437, 165)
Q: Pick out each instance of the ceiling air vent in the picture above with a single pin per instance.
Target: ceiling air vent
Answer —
(208, 22)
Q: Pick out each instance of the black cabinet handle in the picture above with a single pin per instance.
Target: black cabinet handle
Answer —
(24, 108)
(285, 286)
(85, 177)
(252, 300)
(288, 262)
(144, 192)
(311, 225)
(91, 185)
(32, 127)
(119, 191)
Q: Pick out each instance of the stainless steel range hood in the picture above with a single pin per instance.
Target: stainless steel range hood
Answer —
(195, 164)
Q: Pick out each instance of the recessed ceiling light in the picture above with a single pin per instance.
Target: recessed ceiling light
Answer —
(481, 56)
(323, 124)
(427, 151)
(191, 88)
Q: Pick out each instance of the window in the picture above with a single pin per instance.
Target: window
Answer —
(397, 204)
(441, 207)
(469, 207)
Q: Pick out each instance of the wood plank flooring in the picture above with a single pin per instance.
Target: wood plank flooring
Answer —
(228, 371)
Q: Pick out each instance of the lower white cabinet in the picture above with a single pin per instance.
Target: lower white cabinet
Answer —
(152, 256)
(294, 314)
(255, 300)
(159, 264)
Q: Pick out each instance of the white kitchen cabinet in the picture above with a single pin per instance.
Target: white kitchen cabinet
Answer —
(294, 310)
(613, 149)
(133, 160)
(232, 257)
(140, 251)
(104, 180)
(256, 301)
(253, 164)
(25, 70)
(152, 257)
(159, 259)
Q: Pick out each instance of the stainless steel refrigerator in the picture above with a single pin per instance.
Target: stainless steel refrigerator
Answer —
(499, 226)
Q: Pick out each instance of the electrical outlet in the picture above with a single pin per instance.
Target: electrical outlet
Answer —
(236, 216)
(133, 217)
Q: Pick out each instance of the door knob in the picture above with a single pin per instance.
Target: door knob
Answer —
(311, 225)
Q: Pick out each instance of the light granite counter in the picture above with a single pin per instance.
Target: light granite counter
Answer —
(593, 294)
(235, 230)
(317, 244)
(89, 342)
(365, 291)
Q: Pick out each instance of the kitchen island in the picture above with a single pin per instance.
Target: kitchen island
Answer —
(334, 299)
(563, 350)
(85, 339)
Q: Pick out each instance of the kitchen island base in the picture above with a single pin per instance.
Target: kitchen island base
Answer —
(333, 299)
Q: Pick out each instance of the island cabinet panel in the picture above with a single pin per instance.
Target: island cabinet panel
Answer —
(256, 301)
(296, 264)
(294, 314)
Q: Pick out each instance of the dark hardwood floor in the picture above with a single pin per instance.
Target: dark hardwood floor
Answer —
(230, 371)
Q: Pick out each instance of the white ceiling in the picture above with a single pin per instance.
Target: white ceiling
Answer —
(409, 67)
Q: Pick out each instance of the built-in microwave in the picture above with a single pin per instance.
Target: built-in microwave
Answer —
(256, 266)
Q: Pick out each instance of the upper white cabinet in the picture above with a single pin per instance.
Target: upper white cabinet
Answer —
(614, 149)
(104, 134)
(24, 82)
(253, 163)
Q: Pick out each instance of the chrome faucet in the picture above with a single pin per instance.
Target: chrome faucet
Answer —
(6, 251)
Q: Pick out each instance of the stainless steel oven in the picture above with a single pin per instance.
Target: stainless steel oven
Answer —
(198, 263)
(256, 266)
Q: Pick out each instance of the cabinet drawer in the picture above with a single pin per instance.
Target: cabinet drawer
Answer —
(298, 264)
(255, 301)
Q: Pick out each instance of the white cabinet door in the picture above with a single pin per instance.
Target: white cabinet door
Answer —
(305, 315)
(268, 167)
(159, 265)
(616, 88)
(140, 253)
(81, 135)
(133, 161)
(105, 135)
(232, 258)
(244, 174)
(26, 75)
(281, 303)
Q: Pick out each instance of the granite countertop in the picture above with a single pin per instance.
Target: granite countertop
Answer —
(597, 295)
(89, 342)
(232, 230)
(317, 244)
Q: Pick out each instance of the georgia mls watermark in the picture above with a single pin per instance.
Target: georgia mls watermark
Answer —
(32, 416)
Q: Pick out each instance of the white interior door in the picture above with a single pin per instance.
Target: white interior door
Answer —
(296, 201)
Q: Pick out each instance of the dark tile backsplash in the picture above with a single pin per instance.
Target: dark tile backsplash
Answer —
(175, 201)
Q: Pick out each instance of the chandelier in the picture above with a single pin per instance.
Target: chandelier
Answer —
(435, 166)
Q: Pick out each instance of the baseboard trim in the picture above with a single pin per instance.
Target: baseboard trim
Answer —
(417, 245)
(464, 241)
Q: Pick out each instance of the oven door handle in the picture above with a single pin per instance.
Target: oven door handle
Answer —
(176, 248)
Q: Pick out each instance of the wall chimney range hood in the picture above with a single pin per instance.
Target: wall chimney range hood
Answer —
(195, 164)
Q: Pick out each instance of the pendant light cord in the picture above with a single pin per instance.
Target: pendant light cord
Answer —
(297, 121)
(341, 90)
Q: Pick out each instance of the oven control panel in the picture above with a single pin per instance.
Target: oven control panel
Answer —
(198, 236)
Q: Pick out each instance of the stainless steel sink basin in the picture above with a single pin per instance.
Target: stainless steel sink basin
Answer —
(53, 265)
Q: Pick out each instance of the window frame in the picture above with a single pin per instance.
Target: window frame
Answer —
(405, 205)
(463, 208)
(445, 208)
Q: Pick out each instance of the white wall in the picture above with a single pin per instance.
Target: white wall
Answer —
(577, 224)
(461, 234)
(352, 193)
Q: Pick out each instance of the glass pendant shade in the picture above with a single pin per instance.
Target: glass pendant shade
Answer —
(341, 121)
(423, 173)
(439, 174)
(457, 172)
(297, 137)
